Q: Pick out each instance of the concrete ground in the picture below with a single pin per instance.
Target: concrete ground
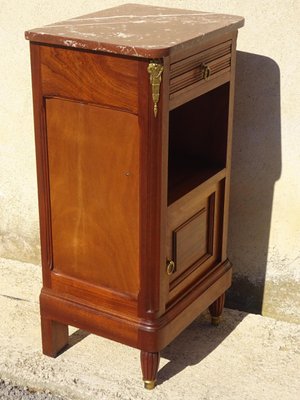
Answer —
(9, 391)
(246, 357)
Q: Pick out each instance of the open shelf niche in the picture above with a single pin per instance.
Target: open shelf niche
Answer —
(197, 141)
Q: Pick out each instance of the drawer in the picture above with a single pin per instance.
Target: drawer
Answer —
(199, 68)
(194, 232)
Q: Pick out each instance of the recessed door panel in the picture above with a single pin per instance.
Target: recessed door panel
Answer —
(194, 236)
(190, 240)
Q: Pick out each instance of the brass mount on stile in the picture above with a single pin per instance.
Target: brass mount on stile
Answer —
(155, 70)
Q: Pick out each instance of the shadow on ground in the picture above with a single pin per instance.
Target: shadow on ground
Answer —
(75, 338)
(196, 342)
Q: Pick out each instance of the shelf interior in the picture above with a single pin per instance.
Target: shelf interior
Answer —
(197, 141)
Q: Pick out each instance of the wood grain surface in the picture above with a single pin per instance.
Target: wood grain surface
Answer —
(94, 175)
(88, 77)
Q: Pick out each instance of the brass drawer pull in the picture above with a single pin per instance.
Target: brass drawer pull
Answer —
(206, 71)
(170, 267)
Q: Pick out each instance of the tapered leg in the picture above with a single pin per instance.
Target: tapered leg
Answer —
(216, 309)
(149, 363)
(54, 336)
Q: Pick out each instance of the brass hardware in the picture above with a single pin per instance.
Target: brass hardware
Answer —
(170, 267)
(149, 385)
(155, 71)
(206, 71)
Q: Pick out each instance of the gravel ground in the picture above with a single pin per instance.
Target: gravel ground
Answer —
(248, 357)
(8, 391)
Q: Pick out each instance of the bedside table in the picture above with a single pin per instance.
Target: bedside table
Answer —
(133, 123)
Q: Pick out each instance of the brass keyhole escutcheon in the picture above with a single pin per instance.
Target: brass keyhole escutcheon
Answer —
(170, 267)
(206, 71)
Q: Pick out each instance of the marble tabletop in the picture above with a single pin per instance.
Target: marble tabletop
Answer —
(137, 30)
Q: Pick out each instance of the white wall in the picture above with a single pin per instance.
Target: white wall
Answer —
(265, 218)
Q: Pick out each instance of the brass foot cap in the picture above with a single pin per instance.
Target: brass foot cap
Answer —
(149, 384)
(215, 321)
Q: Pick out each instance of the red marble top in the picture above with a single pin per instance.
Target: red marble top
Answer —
(137, 30)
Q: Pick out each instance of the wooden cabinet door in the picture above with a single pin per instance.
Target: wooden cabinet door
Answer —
(194, 235)
(93, 155)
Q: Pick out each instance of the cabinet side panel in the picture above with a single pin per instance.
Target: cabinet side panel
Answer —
(94, 172)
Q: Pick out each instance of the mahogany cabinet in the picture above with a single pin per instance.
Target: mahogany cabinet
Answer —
(133, 122)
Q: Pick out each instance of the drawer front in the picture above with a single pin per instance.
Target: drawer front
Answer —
(200, 68)
(194, 236)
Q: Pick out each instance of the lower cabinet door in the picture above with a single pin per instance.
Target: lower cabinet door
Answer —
(194, 233)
